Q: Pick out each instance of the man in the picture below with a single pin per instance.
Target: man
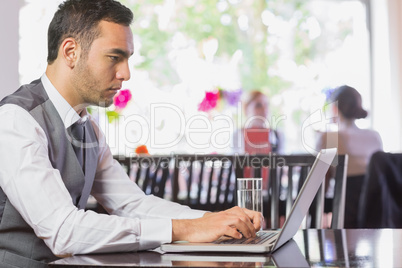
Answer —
(47, 175)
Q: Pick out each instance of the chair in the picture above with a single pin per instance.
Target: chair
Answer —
(284, 175)
(204, 182)
(151, 173)
(337, 202)
(380, 203)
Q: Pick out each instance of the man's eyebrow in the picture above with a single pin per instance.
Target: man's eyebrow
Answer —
(120, 52)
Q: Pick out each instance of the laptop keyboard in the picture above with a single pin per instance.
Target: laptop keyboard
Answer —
(260, 238)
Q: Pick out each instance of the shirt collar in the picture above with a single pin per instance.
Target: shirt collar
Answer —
(67, 114)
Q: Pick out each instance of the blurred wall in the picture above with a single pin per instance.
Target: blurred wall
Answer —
(9, 32)
(387, 71)
(395, 28)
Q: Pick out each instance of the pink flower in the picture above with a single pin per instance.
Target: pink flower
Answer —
(122, 98)
(209, 102)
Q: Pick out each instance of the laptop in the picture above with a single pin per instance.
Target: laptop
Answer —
(269, 240)
(279, 258)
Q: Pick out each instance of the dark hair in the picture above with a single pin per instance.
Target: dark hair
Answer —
(349, 102)
(79, 19)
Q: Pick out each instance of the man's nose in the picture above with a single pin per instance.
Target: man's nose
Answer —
(123, 73)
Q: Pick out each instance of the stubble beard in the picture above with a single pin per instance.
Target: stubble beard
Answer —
(87, 86)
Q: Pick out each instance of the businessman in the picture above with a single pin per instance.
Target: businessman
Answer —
(53, 155)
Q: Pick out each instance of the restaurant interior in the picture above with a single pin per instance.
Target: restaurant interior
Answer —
(230, 89)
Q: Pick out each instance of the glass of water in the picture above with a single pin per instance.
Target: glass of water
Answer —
(249, 193)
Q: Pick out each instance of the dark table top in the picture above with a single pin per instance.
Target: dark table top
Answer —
(312, 247)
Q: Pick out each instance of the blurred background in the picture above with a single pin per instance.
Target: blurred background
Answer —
(295, 51)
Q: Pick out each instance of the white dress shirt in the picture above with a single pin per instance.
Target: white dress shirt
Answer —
(38, 193)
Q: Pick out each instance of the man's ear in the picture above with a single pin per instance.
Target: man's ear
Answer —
(69, 50)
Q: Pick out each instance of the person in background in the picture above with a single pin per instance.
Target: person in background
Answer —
(257, 124)
(359, 144)
(258, 136)
(54, 155)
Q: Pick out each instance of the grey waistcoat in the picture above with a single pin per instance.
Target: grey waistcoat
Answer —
(19, 246)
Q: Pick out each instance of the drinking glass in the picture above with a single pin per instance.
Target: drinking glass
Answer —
(249, 193)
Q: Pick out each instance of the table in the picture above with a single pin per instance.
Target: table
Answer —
(310, 247)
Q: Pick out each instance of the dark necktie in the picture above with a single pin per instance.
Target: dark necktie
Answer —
(78, 141)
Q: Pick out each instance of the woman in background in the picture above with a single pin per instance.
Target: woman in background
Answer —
(358, 143)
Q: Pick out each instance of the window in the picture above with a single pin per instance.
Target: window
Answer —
(291, 50)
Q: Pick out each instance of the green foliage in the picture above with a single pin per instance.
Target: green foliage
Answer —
(262, 52)
(200, 20)
(112, 115)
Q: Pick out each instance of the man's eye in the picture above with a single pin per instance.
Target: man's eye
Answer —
(114, 58)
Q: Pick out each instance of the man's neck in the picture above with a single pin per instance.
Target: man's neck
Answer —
(61, 82)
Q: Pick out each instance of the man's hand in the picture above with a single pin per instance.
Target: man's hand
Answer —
(235, 222)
